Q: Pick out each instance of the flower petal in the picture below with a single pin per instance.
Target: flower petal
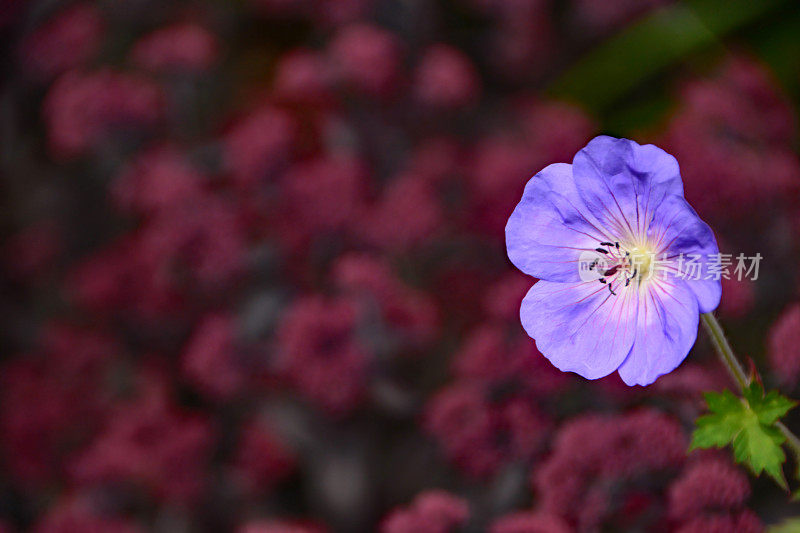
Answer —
(679, 234)
(665, 332)
(581, 327)
(622, 182)
(550, 227)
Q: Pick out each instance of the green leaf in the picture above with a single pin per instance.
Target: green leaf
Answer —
(644, 48)
(748, 426)
(759, 447)
(791, 525)
(719, 428)
(769, 408)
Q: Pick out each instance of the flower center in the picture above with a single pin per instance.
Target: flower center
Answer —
(621, 265)
(641, 258)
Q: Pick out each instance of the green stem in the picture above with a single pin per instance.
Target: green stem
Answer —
(728, 358)
(724, 350)
(791, 439)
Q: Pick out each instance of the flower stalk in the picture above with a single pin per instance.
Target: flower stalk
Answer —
(728, 358)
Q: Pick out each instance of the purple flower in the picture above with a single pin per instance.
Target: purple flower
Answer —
(611, 239)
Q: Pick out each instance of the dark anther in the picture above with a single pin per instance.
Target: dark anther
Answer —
(617, 245)
(606, 244)
(602, 280)
(602, 250)
(611, 290)
(627, 281)
(611, 271)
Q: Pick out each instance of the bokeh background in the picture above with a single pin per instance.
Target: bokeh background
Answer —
(254, 276)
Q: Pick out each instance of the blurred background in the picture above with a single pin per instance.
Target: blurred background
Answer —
(254, 277)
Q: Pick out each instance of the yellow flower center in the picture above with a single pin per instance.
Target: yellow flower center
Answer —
(642, 261)
(620, 265)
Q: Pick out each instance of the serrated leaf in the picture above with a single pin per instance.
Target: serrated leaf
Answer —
(718, 429)
(714, 431)
(753, 392)
(748, 426)
(759, 447)
(724, 401)
(772, 407)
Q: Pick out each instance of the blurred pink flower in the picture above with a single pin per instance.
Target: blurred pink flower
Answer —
(592, 452)
(73, 515)
(121, 279)
(408, 198)
(503, 298)
(158, 178)
(481, 429)
(734, 139)
(554, 131)
(69, 39)
(151, 444)
(202, 243)
(80, 110)
(446, 78)
(501, 164)
(259, 144)
(319, 354)
(499, 170)
(743, 522)
(322, 12)
(408, 313)
(183, 47)
(492, 357)
(325, 193)
(436, 159)
(687, 383)
(595, 18)
(522, 36)
(367, 59)
(53, 400)
(434, 511)
(530, 522)
(783, 346)
(303, 77)
(738, 297)
(281, 526)
(710, 485)
(210, 360)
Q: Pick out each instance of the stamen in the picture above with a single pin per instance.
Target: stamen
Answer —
(624, 264)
